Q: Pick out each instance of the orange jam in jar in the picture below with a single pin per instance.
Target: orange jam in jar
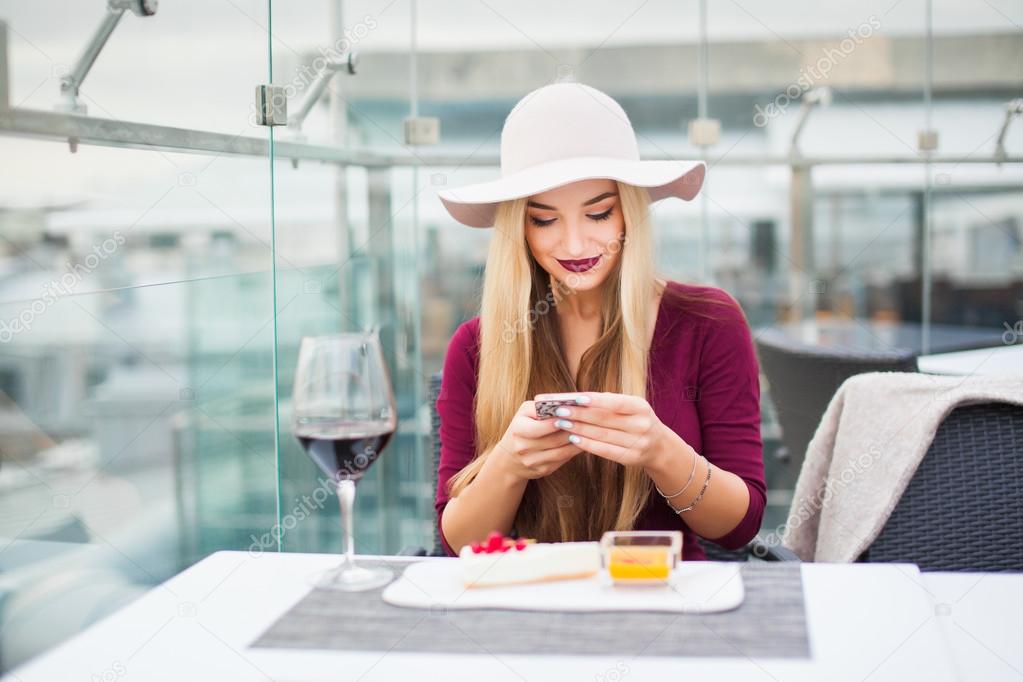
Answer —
(641, 557)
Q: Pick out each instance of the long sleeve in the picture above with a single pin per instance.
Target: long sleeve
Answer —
(455, 409)
(729, 407)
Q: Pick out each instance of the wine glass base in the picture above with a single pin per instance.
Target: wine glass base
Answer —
(351, 578)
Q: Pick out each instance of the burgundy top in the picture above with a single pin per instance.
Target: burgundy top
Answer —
(705, 388)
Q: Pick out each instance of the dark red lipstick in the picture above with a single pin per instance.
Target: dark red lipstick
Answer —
(579, 265)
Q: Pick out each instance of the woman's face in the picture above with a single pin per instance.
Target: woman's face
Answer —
(575, 232)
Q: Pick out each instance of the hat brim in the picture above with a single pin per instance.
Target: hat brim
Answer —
(475, 205)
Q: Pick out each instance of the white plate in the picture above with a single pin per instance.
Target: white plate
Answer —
(696, 587)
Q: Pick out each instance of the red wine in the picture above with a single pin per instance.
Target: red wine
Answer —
(343, 455)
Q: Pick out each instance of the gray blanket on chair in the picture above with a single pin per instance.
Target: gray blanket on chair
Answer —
(873, 435)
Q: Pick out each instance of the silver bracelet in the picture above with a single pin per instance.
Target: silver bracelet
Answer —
(706, 482)
(692, 473)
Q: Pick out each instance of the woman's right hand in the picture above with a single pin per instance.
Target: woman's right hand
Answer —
(533, 448)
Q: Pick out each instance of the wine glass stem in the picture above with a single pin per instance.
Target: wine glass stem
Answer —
(346, 497)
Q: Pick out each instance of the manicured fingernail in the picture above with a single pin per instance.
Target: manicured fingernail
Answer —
(574, 439)
(563, 412)
(563, 424)
(582, 400)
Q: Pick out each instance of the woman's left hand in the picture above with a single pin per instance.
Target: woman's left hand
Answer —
(616, 426)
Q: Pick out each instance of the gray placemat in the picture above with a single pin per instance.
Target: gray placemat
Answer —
(771, 622)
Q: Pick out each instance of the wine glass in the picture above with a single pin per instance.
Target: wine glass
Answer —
(343, 414)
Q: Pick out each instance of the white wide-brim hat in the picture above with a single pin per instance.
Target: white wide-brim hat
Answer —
(561, 133)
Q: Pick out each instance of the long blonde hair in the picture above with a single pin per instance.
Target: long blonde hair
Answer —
(520, 355)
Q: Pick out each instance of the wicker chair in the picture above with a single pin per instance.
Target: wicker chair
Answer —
(941, 527)
(756, 548)
(438, 548)
(803, 378)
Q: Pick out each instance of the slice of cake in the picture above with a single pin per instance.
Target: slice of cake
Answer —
(506, 561)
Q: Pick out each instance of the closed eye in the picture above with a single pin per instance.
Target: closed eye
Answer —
(597, 218)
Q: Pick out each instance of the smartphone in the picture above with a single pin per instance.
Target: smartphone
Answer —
(545, 408)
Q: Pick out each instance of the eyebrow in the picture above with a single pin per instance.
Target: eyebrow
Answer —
(605, 195)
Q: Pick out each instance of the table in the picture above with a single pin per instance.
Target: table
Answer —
(871, 336)
(980, 615)
(1001, 361)
(876, 621)
(864, 336)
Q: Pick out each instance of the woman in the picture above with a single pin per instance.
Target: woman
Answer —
(667, 431)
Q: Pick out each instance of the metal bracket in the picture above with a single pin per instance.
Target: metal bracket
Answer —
(422, 130)
(71, 82)
(319, 84)
(1013, 108)
(271, 105)
(820, 96)
(704, 132)
(927, 140)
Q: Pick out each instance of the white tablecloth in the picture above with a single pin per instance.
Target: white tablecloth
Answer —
(999, 361)
(866, 621)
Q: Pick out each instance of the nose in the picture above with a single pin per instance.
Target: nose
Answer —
(575, 240)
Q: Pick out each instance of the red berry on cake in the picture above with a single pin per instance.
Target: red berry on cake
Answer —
(494, 542)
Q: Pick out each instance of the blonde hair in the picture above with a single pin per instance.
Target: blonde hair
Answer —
(520, 356)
